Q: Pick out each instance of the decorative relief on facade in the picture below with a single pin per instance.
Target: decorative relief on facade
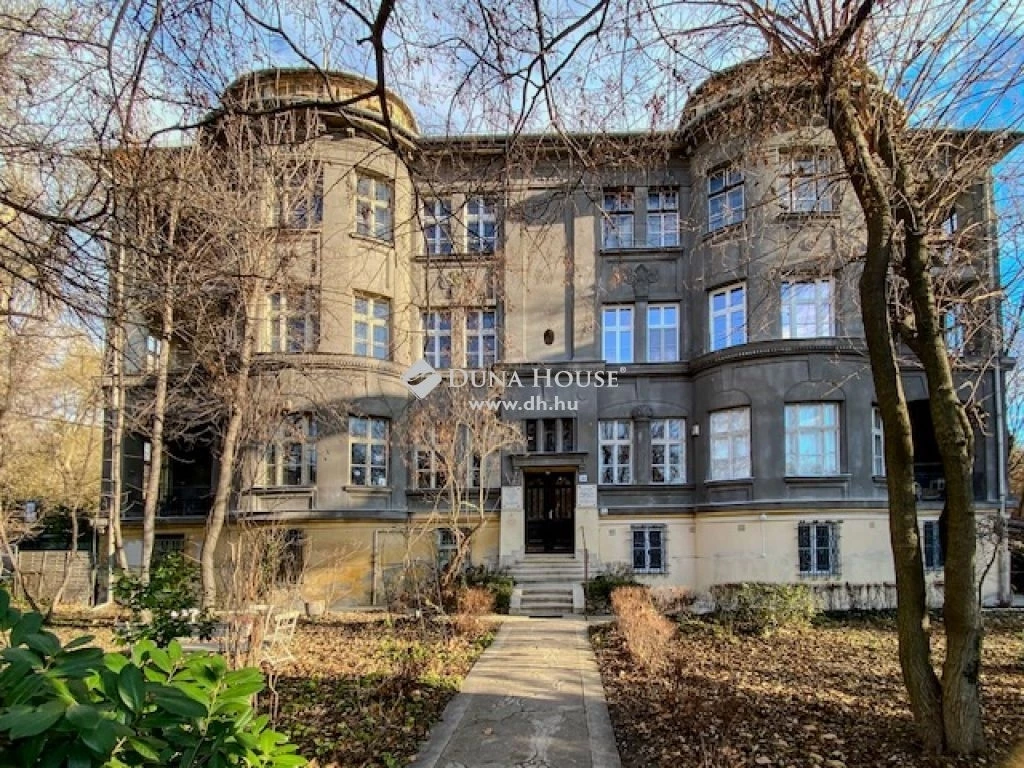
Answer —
(642, 278)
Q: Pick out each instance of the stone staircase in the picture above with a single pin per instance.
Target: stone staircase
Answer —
(547, 585)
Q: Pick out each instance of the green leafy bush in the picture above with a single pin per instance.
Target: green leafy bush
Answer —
(760, 609)
(168, 606)
(498, 582)
(75, 705)
(598, 591)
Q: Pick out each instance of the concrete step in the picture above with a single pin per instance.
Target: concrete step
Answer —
(547, 577)
(564, 597)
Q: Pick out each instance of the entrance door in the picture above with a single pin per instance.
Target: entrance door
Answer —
(550, 511)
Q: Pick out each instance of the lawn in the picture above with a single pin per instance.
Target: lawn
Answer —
(829, 696)
(363, 692)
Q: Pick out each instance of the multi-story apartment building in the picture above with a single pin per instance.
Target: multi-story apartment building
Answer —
(705, 277)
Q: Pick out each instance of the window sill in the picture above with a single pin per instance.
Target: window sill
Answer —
(813, 479)
(641, 249)
(819, 576)
(803, 216)
(279, 490)
(728, 481)
(647, 572)
(724, 232)
(367, 489)
(437, 258)
(655, 487)
(386, 242)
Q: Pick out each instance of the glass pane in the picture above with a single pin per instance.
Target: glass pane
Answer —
(654, 558)
(378, 476)
(358, 453)
(380, 429)
(823, 560)
(358, 427)
(377, 455)
(623, 475)
(805, 561)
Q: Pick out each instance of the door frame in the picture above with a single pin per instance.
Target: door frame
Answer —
(549, 544)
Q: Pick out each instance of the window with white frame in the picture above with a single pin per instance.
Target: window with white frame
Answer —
(950, 228)
(810, 186)
(371, 331)
(153, 345)
(727, 316)
(481, 338)
(430, 471)
(292, 557)
(615, 452)
(648, 548)
(617, 334)
(725, 198)
(668, 455)
(807, 309)
(818, 548)
(168, 543)
(481, 225)
(368, 450)
(550, 435)
(437, 226)
(375, 207)
(290, 458)
(877, 443)
(934, 557)
(729, 444)
(293, 323)
(954, 329)
(475, 471)
(437, 338)
(662, 333)
(300, 198)
(812, 439)
(617, 220)
(662, 218)
(447, 545)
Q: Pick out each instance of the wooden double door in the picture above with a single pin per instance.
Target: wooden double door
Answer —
(550, 507)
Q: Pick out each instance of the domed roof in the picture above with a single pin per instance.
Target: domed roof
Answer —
(284, 85)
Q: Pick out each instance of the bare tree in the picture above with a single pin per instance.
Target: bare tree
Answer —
(457, 436)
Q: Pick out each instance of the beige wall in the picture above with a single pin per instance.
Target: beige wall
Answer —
(346, 562)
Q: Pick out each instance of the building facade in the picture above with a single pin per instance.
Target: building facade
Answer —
(675, 322)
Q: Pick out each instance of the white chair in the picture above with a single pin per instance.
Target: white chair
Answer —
(277, 642)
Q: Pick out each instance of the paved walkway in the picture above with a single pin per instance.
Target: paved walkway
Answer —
(533, 700)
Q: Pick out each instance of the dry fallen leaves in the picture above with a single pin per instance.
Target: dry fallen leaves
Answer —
(827, 697)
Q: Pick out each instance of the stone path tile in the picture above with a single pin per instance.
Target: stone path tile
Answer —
(533, 700)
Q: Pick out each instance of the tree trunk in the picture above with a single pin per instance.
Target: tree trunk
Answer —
(229, 451)
(152, 491)
(923, 688)
(69, 560)
(115, 542)
(955, 439)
